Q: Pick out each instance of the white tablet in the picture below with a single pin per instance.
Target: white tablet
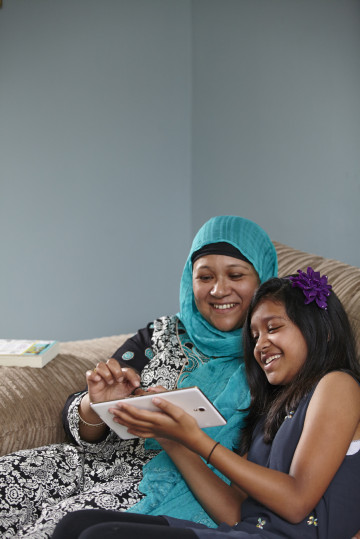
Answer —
(190, 399)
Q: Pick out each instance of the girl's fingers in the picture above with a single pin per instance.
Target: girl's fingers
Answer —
(168, 407)
(135, 415)
(172, 412)
(170, 422)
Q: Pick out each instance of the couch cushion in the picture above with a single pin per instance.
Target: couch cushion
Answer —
(32, 399)
(344, 279)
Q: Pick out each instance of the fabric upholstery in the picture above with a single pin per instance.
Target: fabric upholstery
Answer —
(32, 399)
(344, 279)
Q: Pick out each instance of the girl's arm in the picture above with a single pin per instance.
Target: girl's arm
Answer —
(220, 500)
(331, 421)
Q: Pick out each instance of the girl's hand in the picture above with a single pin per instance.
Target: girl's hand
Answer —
(171, 422)
(109, 381)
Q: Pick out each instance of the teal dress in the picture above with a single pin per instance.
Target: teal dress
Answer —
(222, 377)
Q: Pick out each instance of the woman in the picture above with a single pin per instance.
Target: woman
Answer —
(297, 475)
(200, 346)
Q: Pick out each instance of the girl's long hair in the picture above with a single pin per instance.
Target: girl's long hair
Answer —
(330, 343)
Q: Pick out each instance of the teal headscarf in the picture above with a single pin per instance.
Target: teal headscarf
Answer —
(222, 377)
(254, 243)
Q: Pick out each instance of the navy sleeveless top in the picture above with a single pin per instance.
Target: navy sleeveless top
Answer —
(336, 516)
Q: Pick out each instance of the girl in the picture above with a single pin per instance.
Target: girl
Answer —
(295, 473)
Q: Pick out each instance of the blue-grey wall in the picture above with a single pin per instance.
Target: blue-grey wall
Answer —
(125, 124)
(276, 119)
(95, 103)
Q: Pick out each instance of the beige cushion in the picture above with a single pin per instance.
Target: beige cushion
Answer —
(344, 279)
(32, 399)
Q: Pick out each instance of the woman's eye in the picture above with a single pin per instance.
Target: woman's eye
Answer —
(236, 276)
(204, 278)
(255, 338)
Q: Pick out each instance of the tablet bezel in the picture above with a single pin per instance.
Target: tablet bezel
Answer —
(191, 399)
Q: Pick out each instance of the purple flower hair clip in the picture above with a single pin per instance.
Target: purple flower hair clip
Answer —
(314, 287)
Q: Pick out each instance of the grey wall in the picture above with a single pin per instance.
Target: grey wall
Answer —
(125, 124)
(276, 119)
(95, 164)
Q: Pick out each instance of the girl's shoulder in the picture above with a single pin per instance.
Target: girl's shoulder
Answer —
(340, 379)
(337, 387)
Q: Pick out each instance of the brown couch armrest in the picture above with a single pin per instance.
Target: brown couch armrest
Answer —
(344, 279)
(32, 399)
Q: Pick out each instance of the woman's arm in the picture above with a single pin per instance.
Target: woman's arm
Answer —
(332, 418)
(108, 382)
(130, 360)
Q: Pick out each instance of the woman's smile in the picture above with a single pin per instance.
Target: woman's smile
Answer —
(223, 306)
(223, 287)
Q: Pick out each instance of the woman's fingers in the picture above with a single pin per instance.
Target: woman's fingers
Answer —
(111, 372)
(108, 381)
(123, 374)
(157, 389)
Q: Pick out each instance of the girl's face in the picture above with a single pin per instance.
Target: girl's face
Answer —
(223, 287)
(280, 348)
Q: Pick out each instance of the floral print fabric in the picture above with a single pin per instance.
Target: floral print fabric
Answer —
(39, 486)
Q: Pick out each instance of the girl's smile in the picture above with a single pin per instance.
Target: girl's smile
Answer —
(280, 348)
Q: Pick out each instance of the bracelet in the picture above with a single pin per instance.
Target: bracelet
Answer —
(90, 424)
(211, 452)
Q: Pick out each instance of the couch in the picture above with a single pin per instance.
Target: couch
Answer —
(32, 399)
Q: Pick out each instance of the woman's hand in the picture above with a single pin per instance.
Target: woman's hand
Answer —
(171, 422)
(109, 381)
(152, 389)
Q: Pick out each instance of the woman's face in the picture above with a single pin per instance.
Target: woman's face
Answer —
(223, 287)
(280, 348)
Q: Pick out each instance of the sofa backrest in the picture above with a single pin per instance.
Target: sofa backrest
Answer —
(344, 279)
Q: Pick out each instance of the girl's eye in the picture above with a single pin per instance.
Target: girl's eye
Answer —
(255, 338)
(272, 329)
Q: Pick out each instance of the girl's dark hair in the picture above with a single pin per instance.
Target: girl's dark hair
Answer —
(330, 343)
